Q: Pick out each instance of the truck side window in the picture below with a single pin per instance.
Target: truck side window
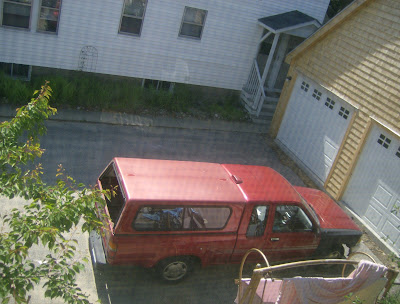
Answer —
(289, 218)
(258, 221)
(181, 218)
(159, 219)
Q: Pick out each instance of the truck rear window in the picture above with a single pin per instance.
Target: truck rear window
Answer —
(115, 204)
(150, 218)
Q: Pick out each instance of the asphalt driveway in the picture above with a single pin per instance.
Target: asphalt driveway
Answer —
(85, 142)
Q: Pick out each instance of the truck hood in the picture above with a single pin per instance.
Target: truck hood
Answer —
(330, 215)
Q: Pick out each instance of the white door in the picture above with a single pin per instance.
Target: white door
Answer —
(314, 125)
(373, 191)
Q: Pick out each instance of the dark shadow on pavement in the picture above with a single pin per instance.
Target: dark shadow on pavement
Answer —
(131, 284)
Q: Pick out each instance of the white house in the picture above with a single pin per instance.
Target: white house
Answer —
(211, 43)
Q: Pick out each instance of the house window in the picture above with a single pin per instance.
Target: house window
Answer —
(384, 141)
(158, 85)
(344, 112)
(20, 71)
(17, 13)
(317, 94)
(49, 16)
(193, 22)
(330, 103)
(132, 16)
(305, 86)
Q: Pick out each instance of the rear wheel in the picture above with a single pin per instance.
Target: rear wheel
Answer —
(174, 269)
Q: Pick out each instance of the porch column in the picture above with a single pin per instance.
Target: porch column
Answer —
(269, 60)
(276, 65)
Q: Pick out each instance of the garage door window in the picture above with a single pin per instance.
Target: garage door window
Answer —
(344, 112)
(398, 152)
(384, 141)
(317, 94)
(305, 86)
(330, 103)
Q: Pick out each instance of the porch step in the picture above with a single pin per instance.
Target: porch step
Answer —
(267, 111)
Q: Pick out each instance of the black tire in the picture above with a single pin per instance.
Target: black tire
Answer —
(336, 253)
(174, 269)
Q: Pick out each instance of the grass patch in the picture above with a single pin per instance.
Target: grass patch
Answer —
(92, 92)
(392, 298)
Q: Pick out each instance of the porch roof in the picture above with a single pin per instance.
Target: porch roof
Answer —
(287, 21)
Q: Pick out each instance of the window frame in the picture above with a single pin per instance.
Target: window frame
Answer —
(191, 23)
(289, 206)
(52, 9)
(10, 73)
(264, 222)
(134, 17)
(21, 4)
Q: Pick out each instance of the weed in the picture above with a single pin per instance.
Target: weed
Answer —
(392, 298)
(92, 92)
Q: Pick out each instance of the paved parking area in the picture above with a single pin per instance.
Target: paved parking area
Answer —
(85, 148)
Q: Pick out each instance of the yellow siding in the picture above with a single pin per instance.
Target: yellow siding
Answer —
(359, 60)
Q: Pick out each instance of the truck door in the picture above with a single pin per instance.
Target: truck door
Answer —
(282, 233)
(252, 232)
(292, 235)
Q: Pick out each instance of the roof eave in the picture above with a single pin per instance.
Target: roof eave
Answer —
(290, 28)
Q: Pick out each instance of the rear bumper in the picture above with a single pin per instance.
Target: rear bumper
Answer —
(96, 249)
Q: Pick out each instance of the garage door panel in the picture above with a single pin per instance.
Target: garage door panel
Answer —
(376, 180)
(312, 127)
(396, 210)
(373, 216)
(391, 232)
(383, 196)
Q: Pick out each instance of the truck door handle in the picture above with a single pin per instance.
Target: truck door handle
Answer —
(274, 239)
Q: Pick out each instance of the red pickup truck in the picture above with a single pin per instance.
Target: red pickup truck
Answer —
(173, 214)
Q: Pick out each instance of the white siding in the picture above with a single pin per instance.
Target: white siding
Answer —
(222, 58)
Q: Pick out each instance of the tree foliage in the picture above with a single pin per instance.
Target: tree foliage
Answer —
(52, 212)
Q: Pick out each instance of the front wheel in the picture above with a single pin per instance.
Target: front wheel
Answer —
(336, 253)
(174, 269)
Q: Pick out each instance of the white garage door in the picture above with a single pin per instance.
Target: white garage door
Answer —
(374, 188)
(314, 125)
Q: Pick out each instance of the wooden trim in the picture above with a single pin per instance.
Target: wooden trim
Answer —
(283, 102)
(386, 127)
(356, 158)
(350, 126)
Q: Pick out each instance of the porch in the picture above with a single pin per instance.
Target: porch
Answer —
(281, 34)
